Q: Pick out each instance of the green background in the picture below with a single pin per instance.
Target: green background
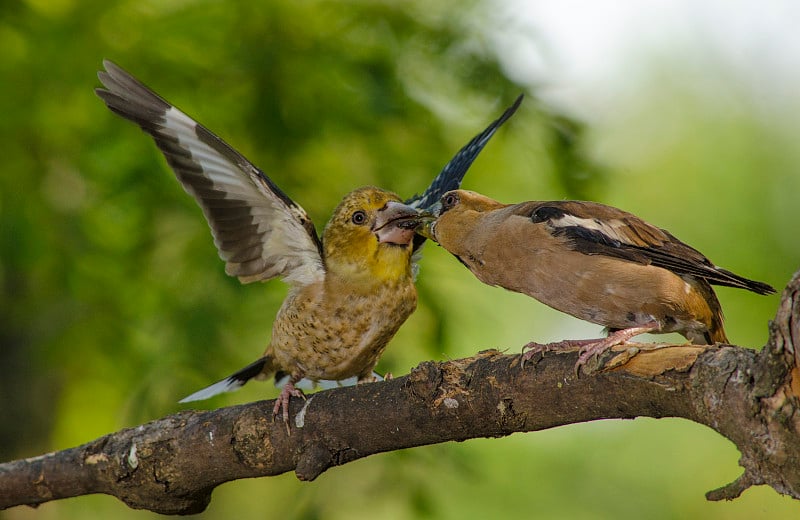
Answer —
(114, 304)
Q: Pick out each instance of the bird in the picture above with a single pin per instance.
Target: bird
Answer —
(350, 290)
(595, 262)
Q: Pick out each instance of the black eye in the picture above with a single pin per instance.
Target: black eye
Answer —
(449, 200)
(359, 218)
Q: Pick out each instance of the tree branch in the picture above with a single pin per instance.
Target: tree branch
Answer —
(171, 465)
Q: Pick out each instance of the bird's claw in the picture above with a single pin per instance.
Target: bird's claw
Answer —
(530, 350)
(593, 348)
(534, 348)
(282, 402)
(589, 351)
(587, 348)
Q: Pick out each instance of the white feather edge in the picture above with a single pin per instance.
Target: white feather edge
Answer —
(610, 228)
(220, 387)
(290, 238)
(231, 385)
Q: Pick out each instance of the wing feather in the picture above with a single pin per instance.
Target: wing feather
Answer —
(453, 172)
(597, 229)
(258, 230)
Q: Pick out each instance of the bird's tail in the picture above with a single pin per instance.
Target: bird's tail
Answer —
(234, 381)
(715, 330)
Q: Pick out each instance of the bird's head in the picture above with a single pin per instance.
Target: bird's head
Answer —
(453, 213)
(371, 233)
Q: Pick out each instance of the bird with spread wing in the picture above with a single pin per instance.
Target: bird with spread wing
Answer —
(350, 291)
(595, 262)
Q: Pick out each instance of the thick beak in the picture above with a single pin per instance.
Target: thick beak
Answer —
(395, 223)
(426, 220)
(425, 228)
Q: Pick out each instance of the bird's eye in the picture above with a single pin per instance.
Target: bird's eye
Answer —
(449, 200)
(359, 218)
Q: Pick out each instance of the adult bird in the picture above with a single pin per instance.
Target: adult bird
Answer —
(595, 262)
(350, 291)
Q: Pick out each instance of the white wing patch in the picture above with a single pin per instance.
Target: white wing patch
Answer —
(259, 232)
(278, 244)
(613, 228)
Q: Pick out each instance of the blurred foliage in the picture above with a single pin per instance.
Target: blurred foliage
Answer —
(113, 303)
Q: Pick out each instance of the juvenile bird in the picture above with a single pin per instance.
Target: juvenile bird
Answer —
(595, 262)
(349, 292)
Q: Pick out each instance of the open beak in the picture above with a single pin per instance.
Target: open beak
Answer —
(427, 219)
(425, 228)
(396, 223)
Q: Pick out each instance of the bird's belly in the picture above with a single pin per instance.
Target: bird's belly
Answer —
(340, 337)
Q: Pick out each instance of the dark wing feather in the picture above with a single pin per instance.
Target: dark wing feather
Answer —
(233, 382)
(453, 172)
(597, 229)
(259, 231)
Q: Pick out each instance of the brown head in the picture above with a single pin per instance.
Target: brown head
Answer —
(457, 213)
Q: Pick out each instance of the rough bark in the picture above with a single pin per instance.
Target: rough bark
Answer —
(171, 465)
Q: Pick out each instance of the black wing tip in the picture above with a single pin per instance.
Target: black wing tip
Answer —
(467, 154)
(765, 289)
(725, 278)
(732, 279)
(450, 177)
(121, 88)
(511, 110)
(761, 288)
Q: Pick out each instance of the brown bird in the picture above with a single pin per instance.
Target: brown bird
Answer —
(592, 261)
(350, 292)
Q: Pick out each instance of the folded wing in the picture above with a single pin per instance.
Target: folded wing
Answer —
(597, 229)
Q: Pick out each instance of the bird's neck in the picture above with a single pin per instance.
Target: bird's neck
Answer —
(389, 265)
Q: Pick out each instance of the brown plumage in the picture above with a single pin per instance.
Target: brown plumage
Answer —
(349, 292)
(595, 262)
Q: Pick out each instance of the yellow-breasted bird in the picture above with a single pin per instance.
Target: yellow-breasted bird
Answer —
(350, 291)
(595, 262)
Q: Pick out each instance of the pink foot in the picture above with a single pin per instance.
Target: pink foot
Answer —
(282, 402)
(588, 348)
(534, 348)
(619, 337)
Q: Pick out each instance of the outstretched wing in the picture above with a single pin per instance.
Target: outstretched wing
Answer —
(597, 229)
(259, 231)
(453, 172)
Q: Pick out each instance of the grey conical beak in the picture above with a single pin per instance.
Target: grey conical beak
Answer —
(396, 222)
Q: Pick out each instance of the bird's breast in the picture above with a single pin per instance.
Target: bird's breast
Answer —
(339, 330)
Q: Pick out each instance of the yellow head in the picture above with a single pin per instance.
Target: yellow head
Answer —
(370, 235)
